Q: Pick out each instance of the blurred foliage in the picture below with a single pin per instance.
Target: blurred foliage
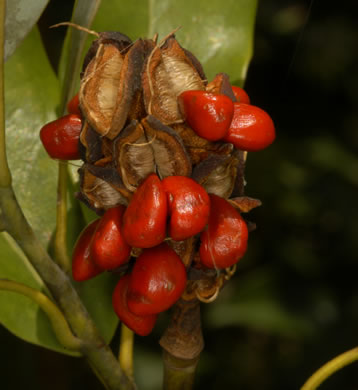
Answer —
(293, 303)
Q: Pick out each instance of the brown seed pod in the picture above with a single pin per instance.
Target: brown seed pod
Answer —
(170, 155)
(199, 148)
(169, 70)
(90, 145)
(134, 156)
(221, 85)
(217, 175)
(101, 189)
(111, 84)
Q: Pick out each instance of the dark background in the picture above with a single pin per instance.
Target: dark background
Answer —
(293, 304)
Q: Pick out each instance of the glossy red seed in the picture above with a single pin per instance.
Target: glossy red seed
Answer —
(73, 106)
(141, 325)
(144, 221)
(240, 94)
(251, 128)
(83, 267)
(157, 281)
(189, 206)
(109, 250)
(60, 137)
(209, 115)
(224, 242)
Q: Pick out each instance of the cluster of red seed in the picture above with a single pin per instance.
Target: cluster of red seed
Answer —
(176, 204)
(162, 211)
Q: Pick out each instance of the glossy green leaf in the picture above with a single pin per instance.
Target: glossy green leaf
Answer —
(31, 96)
(19, 314)
(21, 16)
(219, 33)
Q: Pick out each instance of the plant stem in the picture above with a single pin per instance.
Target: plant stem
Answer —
(60, 244)
(330, 368)
(5, 177)
(58, 321)
(126, 350)
(182, 343)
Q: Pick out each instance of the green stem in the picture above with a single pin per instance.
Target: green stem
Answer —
(5, 176)
(126, 351)
(330, 368)
(60, 243)
(57, 319)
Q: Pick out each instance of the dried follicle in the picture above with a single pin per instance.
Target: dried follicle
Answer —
(99, 88)
(168, 72)
(170, 155)
(221, 85)
(97, 192)
(134, 156)
(217, 174)
(244, 204)
(184, 249)
(111, 85)
(199, 148)
(90, 145)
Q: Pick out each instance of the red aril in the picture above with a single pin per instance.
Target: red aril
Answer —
(109, 250)
(83, 267)
(251, 128)
(189, 206)
(240, 94)
(60, 137)
(157, 281)
(141, 325)
(209, 115)
(224, 241)
(73, 106)
(144, 221)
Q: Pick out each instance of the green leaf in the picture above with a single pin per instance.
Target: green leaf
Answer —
(21, 16)
(18, 314)
(31, 96)
(219, 33)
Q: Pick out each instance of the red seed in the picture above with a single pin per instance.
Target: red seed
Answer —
(224, 242)
(189, 206)
(60, 137)
(144, 221)
(240, 94)
(109, 250)
(158, 280)
(251, 128)
(141, 325)
(83, 267)
(73, 106)
(209, 115)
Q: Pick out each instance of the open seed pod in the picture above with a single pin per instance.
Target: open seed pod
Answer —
(170, 155)
(169, 70)
(134, 156)
(217, 174)
(111, 84)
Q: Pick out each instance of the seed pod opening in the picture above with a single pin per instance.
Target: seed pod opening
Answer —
(170, 155)
(133, 154)
(217, 175)
(168, 72)
(97, 192)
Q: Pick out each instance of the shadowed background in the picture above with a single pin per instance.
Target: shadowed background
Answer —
(293, 303)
